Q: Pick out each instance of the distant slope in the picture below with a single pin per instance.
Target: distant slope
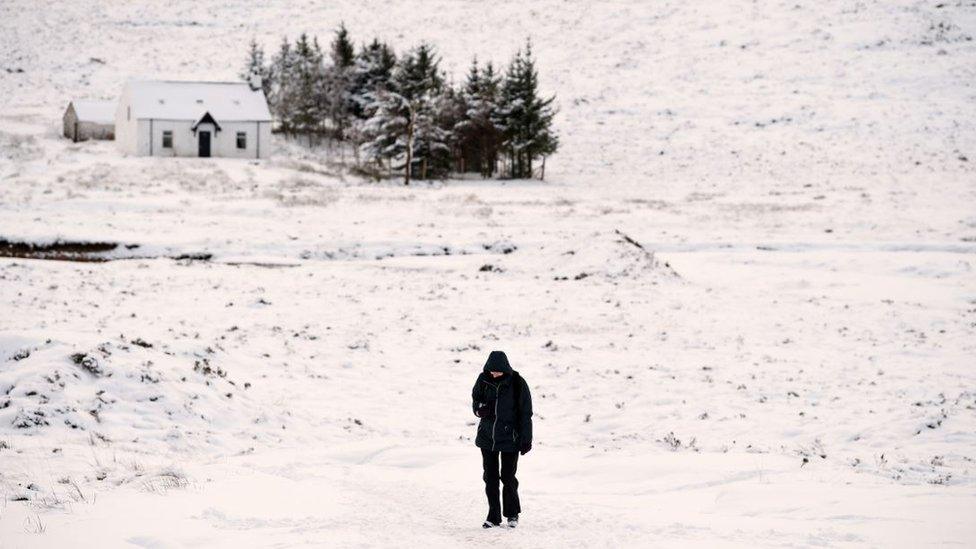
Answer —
(649, 92)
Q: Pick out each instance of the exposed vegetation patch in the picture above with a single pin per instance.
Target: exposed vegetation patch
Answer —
(61, 250)
(88, 363)
(88, 252)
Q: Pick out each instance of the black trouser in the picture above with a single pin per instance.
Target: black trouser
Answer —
(510, 499)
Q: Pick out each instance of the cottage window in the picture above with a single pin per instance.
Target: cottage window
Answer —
(167, 139)
(241, 140)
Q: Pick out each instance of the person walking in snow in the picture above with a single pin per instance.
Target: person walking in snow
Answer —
(501, 399)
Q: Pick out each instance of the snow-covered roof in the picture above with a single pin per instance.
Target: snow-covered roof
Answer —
(178, 100)
(87, 110)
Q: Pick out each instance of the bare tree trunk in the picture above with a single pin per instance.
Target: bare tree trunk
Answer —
(542, 174)
(511, 168)
(409, 166)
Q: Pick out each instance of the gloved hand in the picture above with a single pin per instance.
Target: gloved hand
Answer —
(526, 448)
(484, 409)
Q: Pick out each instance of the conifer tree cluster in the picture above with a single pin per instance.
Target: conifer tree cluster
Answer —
(401, 114)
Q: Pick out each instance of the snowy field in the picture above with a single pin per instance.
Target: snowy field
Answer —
(790, 363)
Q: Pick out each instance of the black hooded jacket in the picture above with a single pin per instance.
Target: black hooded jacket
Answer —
(507, 427)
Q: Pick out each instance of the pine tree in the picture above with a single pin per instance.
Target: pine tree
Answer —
(388, 131)
(342, 49)
(418, 74)
(419, 80)
(541, 141)
(339, 83)
(382, 62)
(308, 112)
(475, 131)
(371, 78)
(524, 118)
(405, 126)
(508, 112)
(281, 93)
(372, 72)
(440, 144)
(490, 136)
(255, 69)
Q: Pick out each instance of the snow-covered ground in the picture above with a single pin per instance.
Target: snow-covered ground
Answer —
(794, 365)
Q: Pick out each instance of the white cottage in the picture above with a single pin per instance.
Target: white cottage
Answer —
(174, 118)
(86, 119)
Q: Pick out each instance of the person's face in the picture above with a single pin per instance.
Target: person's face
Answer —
(495, 375)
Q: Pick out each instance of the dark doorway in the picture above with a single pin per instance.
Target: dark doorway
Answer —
(204, 145)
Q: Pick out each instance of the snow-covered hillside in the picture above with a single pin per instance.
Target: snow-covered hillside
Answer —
(281, 354)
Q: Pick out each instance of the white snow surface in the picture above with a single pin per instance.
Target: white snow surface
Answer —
(91, 110)
(188, 100)
(789, 364)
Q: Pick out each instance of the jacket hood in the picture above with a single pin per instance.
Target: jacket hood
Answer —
(498, 362)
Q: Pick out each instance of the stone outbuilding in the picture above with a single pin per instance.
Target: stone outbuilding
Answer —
(88, 119)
